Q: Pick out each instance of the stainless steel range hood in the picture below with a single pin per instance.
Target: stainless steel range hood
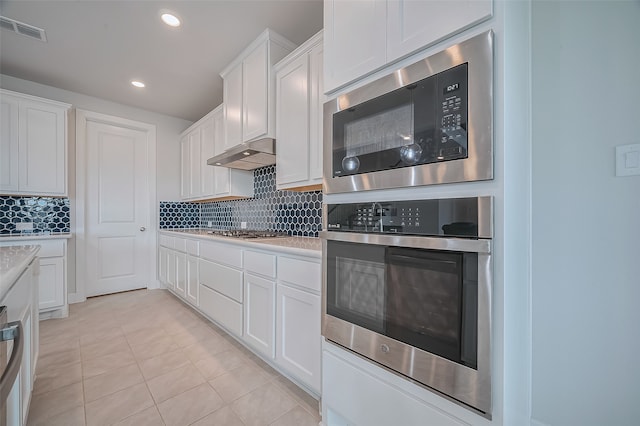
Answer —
(247, 156)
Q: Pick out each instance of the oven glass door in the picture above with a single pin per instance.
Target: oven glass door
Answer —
(424, 298)
(424, 122)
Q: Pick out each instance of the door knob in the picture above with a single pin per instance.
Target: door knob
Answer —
(142, 229)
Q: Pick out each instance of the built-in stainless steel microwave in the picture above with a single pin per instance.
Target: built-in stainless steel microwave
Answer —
(428, 123)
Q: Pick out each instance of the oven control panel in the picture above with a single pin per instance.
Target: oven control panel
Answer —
(442, 217)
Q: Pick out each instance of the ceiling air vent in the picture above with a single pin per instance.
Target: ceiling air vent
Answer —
(22, 28)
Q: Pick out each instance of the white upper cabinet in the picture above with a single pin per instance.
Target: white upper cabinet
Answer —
(299, 117)
(207, 150)
(255, 89)
(185, 170)
(232, 96)
(248, 90)
(316, 104)
(33, 145)
(413, 24)
(9, 146)
(354, 39)
(363, 36)
(201, 141)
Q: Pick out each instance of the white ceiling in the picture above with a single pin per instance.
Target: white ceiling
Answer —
(96, 47)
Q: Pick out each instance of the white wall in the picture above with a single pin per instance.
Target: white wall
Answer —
(586, 221)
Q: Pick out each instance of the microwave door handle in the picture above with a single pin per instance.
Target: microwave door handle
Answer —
(11, 331)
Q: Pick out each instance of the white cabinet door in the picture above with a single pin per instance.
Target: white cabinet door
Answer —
(221, 174)
(354, 39)
(51, 283)
(33, 145)
(163, 264)
(316, 103)
(43, 157)
(259, 314)
(298, 348)
(181, 274)
(9, 143)
(232, 93)
(195, 168)
(207, 150)
(191, 290)
(412, 25)
(171, 269)
(185, 176)
(255, 89)
(292, 122)
(218, 130)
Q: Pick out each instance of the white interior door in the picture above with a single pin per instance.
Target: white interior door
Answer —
(117, 209)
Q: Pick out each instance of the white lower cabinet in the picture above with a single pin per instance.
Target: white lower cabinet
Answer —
(181, 274)
(269, 300)
(163, 264)
(51, 287)
(191, 289)
(52, 279)
(221, 285)
(171, 269)
(19, 300)
(350, 383)
(259, 314)
(223, 310)
(298, 348)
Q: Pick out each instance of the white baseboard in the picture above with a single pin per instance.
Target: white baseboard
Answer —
(56, 313)
(538, 423)
(75, 298)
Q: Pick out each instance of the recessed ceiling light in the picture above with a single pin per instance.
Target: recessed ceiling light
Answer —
(170, 19)
(138, 83)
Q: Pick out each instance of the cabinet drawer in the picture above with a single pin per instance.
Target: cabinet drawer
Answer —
(193, 247)
(300, 272)
(180, 244)
(225, 311)
(260, 263)
(222, 253)
(166, 241)
(223, 279)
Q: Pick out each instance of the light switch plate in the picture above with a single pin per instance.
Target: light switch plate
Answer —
(24, 226)
(628, 160)
(243, 225)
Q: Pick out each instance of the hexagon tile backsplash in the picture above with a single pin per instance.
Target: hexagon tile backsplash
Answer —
(47, 214)
(296, 213)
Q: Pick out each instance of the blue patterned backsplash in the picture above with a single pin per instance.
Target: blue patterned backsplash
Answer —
(179, 215)
(296, 213)
(48, 215)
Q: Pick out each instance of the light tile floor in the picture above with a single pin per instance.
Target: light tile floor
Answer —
(144, 358)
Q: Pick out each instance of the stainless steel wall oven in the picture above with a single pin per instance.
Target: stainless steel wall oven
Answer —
(408, 284)
(428, 123)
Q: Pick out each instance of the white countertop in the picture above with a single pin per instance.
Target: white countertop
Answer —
(38, 236)
(303, 246)
(13, 260)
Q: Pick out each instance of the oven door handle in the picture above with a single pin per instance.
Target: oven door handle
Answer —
(11, 331)
(468, 245)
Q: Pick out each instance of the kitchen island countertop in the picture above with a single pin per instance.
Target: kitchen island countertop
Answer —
(14, 260)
